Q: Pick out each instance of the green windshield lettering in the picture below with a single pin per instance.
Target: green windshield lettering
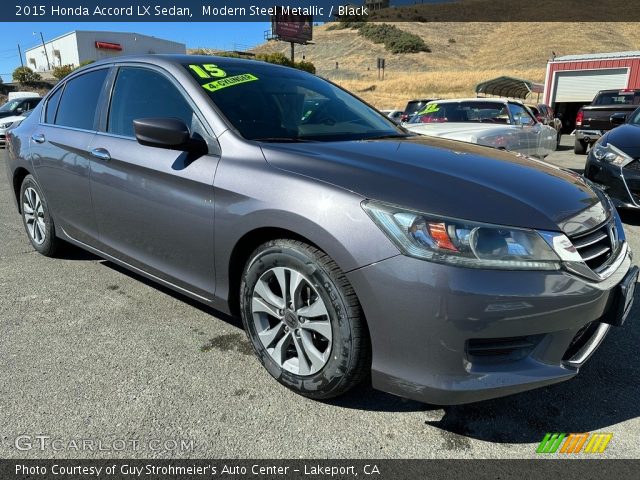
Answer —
(229, 82)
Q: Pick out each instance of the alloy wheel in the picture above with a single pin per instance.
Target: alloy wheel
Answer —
(33, 211)
(292, 321)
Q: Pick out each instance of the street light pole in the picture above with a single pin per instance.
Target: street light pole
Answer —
(45, 50)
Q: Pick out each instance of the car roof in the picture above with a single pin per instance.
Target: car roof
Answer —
(476, 99)
(178, 59)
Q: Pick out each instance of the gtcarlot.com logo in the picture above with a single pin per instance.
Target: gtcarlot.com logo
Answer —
(574, 443)
(45, 442)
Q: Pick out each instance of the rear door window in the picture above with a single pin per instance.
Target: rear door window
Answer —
(79, 102)
(52, 107)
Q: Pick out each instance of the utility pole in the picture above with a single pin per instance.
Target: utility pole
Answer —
(20, 54)
(293, 52)
(45, 50)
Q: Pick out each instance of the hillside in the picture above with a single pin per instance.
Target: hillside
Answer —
(462, 55)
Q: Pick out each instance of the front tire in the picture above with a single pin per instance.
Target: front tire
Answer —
(36, 217)
(304, 320)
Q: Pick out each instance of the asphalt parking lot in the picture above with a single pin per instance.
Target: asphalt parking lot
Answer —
(91, 352)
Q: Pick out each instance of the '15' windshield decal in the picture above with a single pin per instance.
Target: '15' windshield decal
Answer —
(209, 70)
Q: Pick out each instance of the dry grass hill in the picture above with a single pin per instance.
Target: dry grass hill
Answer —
(462, 55)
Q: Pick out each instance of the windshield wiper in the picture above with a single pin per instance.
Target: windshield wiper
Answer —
(392, 135)
(282, 140)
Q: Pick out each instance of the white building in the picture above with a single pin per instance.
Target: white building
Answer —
(79, 46)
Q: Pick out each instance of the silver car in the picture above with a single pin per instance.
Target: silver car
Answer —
(444, 271)
(498, 123)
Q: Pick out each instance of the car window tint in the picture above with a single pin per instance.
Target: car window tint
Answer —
(52, 106)
(79, 101)
(144, 93)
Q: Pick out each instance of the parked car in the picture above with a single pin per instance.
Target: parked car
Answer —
(10, 122)
(18, 106)
(545, 115)
(614, 161)
(395, 115)
(449, 271)
(413, 107)
(594, 120)
(498, 123)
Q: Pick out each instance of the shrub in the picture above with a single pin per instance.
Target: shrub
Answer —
(394, 39)
(306, 66)
(86, 62)
(62, 71)
(26, 75)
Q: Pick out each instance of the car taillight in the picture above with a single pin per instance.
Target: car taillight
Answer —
(579, 118)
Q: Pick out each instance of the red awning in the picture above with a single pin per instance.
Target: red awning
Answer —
(109, 46)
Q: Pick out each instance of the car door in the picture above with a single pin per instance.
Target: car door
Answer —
(59, 150)
(527, 129)
(154, 206)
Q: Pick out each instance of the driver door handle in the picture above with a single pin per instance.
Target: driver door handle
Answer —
(101, 153)
(38, 138)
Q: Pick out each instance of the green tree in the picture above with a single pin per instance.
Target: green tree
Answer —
(26, 75)
(62, 71)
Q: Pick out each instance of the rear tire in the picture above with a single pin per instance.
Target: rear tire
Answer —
(579, 147)
(36, 218)
(304, 320)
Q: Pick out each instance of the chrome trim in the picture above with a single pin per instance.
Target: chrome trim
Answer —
(612, 267)
(579, 244)
(589, 347)
(602, 251)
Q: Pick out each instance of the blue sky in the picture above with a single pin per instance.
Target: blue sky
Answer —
(221, 35)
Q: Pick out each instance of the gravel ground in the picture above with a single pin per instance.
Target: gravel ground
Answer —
(91, 352)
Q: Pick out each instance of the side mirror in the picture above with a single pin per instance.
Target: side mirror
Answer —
(19, 110)
(618, 119)
(168, 133)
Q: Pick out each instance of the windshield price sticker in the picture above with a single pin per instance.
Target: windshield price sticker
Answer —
(432, 107)
(229, 82)
(209, 70)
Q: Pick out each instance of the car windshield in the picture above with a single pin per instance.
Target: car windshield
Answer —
(618, 98)
(477, 112)
(276, 104)
(635, 118)
(10, 106)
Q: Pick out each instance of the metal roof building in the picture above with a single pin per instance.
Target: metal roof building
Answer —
(577, 78)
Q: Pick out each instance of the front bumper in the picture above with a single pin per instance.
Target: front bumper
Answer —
(621, 184)
(589, 136)
(448, 335)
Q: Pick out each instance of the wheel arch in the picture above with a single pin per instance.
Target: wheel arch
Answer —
(243, 249)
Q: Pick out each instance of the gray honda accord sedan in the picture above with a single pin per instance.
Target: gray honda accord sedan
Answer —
(352, 249)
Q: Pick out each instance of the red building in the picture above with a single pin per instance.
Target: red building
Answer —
(573, 80)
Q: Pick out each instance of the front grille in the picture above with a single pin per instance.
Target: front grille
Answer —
(596, 246)
(635, 165)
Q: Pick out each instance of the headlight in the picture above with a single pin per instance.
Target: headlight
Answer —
(467, 244)
(6, 125)
(611, 155)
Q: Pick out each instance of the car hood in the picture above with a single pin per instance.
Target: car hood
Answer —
(13, 118)
(626, 138)
(456, 131)
(443, 177)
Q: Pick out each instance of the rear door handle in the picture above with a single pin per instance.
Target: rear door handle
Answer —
(101, 153)
(38, 138)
